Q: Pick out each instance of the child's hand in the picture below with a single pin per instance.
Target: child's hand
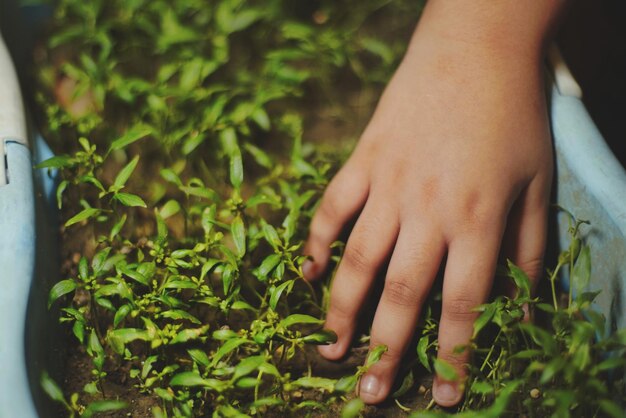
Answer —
(455, 167)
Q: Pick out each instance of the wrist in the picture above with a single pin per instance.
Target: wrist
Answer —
(504, 31)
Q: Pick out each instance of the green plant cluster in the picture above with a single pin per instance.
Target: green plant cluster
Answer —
(187, 179)
(208, 306)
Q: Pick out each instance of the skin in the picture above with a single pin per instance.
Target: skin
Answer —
(454, 167)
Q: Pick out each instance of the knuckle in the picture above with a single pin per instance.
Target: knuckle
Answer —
(460, 309)
(532, 267)
(400, 292)
(357, 259)
(457, 360)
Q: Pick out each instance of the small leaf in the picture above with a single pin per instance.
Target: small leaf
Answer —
(407, 383)
(581, 274)
(422, 352)
(60, 189)
(484, 318)
(346, 384)
(353, 408)
(236, 169)
(171, 208)
(271, 236)
(199, 357)
(58, 161)
(124, 174)
(267, 266)
(238, 230)
(82, 215)
(103, 406)
(315, 382)
(189, 334)
(275, 293)
(300, 319)
(117, 227)
(61, 288)
(132, 135)
(445, 370)
(520, 278)
(131, 200)
(51, 388)
(247, 366)
(375, 355)
(322, 337)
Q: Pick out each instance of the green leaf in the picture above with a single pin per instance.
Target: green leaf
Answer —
(120, 337)
(189, 334)
(178, 314)
(134, 134)
(82, 215)
(552, 368)
(131, 200)
(300, 319)
(581, 275)
(422, 351)
(226, 348)
(59, 194)
(95, 350)
(520, 278)
(353, 408)
(58, 161)
(322, 337)
(346, 384)
(236, 169)
(276, 292)
(103, 406)
(247, 366)
(445, 370)
(481, 387)
(192, 379)
(121, 313)
(267, 266)
(488, 311)
(199, 356)
(238, 230)
(51, 388)
(124, 174)
(315, 382)
(375, 355)
(61, 288)
(117, 227)
(259, 115)
(611, 408)
(170, 208)
(135, 275)
(271, 236)
(407, 383)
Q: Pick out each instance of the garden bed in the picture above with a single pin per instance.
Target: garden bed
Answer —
(186, 189)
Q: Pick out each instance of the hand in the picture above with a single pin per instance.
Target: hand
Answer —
(455, 165)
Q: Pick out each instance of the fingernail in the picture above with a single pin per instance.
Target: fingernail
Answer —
(308, 269)
(327, 350)
(445, 394)
(370, 386)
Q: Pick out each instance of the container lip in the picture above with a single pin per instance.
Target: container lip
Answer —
(12, 114)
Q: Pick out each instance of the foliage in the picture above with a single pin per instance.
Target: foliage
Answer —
(188, 182)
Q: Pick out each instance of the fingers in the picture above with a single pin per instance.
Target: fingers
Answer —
(368, 247)
(344, 197)
(412, 269)
(525, 238)
(468, 277)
